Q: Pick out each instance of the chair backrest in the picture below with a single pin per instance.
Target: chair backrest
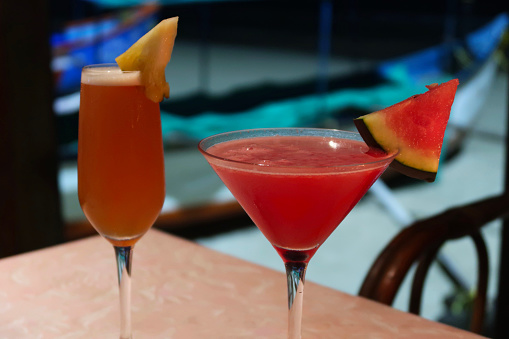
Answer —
(420, 242)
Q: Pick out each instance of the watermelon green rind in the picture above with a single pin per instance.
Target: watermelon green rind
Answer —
(414, 127)
(397, 165)
(413, 173)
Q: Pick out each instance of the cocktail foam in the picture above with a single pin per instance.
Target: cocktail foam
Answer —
(110, 76)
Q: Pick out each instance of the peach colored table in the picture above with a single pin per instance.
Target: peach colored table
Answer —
(180, 291)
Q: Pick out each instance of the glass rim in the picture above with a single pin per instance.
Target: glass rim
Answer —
(303, 131)
(105, 65)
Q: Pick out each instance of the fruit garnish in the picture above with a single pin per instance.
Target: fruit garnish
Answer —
(414, 127)
(150, 55)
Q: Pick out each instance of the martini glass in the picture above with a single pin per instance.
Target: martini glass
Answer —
(120, 165)
(297, 185)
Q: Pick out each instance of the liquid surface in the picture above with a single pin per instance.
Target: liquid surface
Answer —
(110, 76)
(297, 151)
(295, 205)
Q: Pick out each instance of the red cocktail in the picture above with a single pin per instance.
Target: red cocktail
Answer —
(297, 185)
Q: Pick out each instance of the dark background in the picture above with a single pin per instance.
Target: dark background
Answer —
(378, 29)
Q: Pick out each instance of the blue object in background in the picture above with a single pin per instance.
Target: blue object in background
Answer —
(94, 41)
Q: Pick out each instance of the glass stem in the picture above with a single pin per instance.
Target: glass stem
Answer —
(295, 274)
(124, 260)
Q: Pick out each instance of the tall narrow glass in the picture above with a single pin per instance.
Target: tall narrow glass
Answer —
(297, 185)
(120, 165)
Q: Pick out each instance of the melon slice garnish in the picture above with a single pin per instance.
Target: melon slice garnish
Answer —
(150, 55)
(414, 127)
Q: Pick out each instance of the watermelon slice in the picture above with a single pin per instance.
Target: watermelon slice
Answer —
(415, 127)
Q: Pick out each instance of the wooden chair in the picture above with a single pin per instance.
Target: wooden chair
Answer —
(420, 242)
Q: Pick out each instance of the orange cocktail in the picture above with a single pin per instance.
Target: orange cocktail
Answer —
(120, 156)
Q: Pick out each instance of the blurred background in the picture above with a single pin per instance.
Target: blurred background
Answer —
(251, 64)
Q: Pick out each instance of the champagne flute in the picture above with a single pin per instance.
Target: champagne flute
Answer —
(120, 165)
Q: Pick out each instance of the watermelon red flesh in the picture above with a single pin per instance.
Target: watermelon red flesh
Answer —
(415, 127)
